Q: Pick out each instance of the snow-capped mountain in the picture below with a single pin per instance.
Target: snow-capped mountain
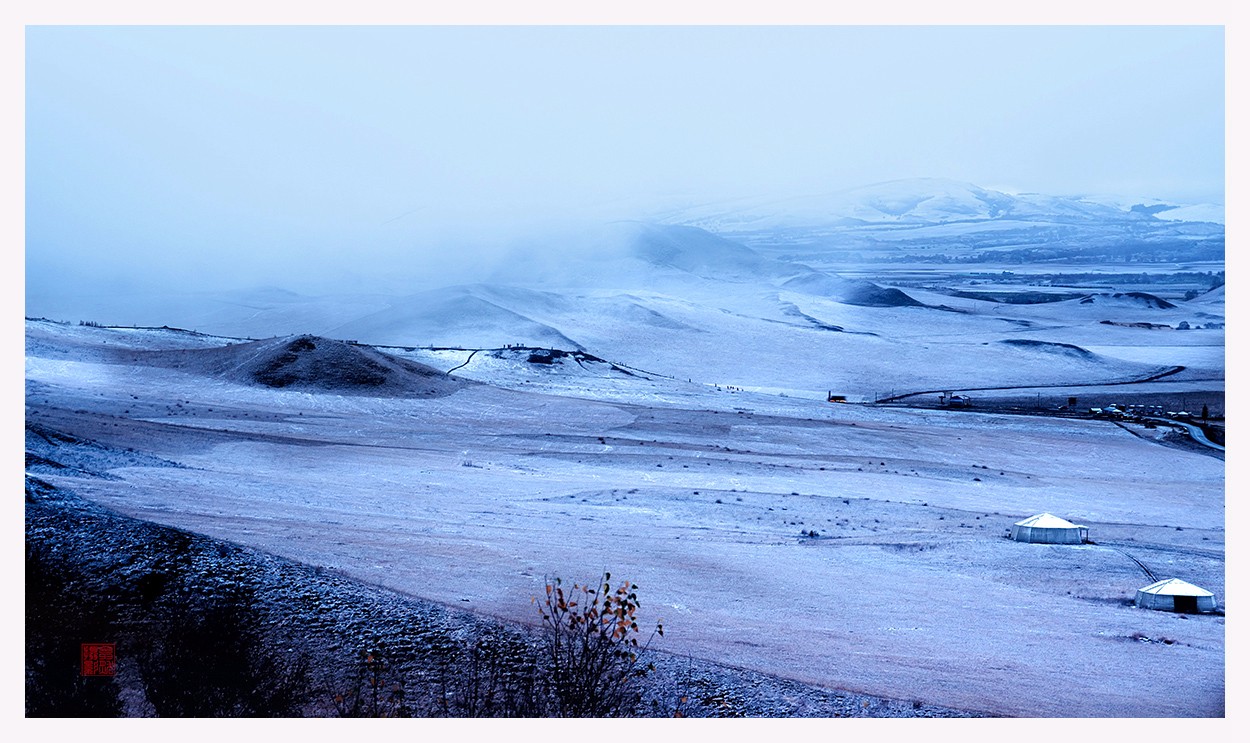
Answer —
(945, 218)
(911, 201)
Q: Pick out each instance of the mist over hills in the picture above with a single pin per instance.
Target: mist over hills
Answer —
(752, 292)
(635, 253)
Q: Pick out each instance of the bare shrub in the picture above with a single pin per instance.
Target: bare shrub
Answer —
(591, 654)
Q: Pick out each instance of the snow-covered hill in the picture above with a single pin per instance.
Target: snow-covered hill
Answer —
(683, 303)
(911, 201)
(937, 219)
(1194, 213)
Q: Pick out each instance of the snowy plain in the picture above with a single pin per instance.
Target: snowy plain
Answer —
(706, 498)
(653, 403)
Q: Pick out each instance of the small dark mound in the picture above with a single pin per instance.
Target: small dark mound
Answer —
(309, 362)
(298, 363)
(1150, 300)
(877, 296)
(1141, 298)
(850, 291)
(1064, 349)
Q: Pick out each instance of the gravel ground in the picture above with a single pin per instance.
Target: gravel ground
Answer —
(329, 618)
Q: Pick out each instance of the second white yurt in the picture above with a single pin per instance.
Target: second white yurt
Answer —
(1047, 529)
(1174, 594)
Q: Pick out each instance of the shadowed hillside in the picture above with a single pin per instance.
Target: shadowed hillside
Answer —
(311, 362)
(850, 291)
(1129, 299)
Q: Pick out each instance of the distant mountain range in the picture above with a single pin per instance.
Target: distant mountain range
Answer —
(938, 220)
(924, 201)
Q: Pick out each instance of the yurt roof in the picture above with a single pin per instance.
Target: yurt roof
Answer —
(1175, 587)
(1046, 521)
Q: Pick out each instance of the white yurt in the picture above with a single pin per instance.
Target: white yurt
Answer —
(1047, 529)
(1174, 594)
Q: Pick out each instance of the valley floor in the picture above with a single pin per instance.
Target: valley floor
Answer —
(840, 546)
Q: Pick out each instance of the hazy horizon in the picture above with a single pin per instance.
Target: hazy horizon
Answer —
(205, 157)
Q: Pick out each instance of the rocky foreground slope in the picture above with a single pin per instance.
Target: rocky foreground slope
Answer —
(207, 628)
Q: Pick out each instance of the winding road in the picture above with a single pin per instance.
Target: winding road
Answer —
(1196, 433)
(1151, 378)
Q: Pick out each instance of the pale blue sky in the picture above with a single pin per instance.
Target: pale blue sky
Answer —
(189, 150)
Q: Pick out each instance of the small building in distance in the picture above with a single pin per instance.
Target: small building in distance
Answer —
(951, 400)
(1174, 594)
(1045, 528)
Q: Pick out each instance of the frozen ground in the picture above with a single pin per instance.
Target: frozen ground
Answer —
(705, 496)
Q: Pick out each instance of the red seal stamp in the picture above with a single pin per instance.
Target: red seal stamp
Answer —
(99, 658)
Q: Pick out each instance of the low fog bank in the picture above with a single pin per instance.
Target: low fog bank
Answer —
(671, 245)
(139, 287)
